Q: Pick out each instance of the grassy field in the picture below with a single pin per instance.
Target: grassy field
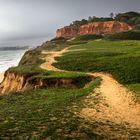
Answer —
(120, 58)
(42, 114)
(48, 113)
(29, 65)
(45, 113)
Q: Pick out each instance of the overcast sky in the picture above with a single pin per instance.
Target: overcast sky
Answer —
(31, 22)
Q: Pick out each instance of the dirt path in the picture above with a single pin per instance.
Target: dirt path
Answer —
(117, 104)
(111, 102)
(50, 59)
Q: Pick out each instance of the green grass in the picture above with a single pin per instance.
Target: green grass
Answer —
(87, 37)
(29, 65)
(41, 114)
(120, 58)
(135, 88)
(47, 113)
(56, 44)
(129, 35)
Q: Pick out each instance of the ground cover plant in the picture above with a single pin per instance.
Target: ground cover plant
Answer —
(43, 113)
(47, 113)
(120, 58)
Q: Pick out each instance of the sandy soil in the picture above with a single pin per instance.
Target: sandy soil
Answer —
(1, 77)
(111, 102)
(116, 103)
(50, 59)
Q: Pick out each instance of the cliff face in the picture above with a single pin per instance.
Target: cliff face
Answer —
(12, 82)
(17, 82)
(93, 28)
(68, 31)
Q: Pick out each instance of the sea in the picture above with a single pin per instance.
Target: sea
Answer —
(10, 58)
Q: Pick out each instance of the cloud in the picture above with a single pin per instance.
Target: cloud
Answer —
(33, 21)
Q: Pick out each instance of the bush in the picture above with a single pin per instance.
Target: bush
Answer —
(129, 35)
(88, 37)
(128, 17)
(137, 27)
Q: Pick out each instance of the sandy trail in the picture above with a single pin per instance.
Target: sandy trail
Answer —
(111, 102)
(117, 104)
(50, 59)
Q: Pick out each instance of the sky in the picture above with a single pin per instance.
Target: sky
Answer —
(32, 22)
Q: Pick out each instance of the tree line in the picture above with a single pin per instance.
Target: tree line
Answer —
(131, 18)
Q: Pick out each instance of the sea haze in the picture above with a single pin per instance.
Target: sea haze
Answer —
(10, 57)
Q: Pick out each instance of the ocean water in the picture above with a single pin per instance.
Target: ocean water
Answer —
(10, 58)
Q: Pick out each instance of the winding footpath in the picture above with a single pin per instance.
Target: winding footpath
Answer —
(111, 102)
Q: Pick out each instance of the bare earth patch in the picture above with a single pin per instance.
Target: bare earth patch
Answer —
(50, 59)
(1, 77)
(117, 104)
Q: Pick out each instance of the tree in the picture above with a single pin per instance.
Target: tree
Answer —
(111, 15)
(90, 19)
(127, 17)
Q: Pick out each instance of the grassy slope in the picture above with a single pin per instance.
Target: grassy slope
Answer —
(43, 113)
(120, 58)
(31, 61)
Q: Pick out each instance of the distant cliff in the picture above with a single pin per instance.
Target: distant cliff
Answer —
(108, 27)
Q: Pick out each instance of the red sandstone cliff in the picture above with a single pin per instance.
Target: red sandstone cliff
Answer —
(68, 31)
(93, 28)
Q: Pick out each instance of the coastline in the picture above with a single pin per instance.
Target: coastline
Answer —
(1, 77)
(13, 63)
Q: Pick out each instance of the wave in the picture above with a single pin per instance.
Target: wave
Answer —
(10, 58)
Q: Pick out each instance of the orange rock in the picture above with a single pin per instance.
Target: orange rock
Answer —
(68, 31)
(108, 27)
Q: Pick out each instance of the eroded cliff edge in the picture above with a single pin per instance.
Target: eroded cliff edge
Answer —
(102, 28)
(28, 75)
(19, 83)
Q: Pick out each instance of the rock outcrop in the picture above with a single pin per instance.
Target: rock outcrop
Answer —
(13, 82)
(68, 31)
(102, 28)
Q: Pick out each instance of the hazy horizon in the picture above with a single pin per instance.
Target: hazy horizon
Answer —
(32, 22)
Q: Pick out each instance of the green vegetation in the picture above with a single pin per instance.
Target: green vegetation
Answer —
(48, 113)
(129, 35)
(55, 44)
(88, 37)
(29, 67)
(120, 58)
(42, 114)
(30, 63)
(135, 88)
(45, 113)
(132, 18)
(91, 19)
(31, 57)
